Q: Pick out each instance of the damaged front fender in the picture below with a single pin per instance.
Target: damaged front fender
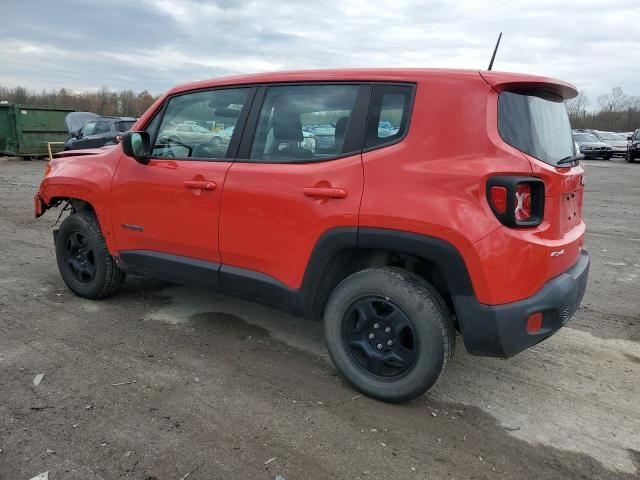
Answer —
(39, 207)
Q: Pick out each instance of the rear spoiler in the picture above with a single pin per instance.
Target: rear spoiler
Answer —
(504, 81)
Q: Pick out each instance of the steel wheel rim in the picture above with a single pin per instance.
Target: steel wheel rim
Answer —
(80, 257)
(380, 338)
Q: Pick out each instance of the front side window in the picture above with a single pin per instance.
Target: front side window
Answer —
(303, 123)
(89, 128)
(537, 124)
(185, 130)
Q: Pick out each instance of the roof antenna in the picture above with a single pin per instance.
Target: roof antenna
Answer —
(494, 52)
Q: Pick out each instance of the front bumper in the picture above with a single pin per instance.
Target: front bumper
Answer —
(38, 205)
(501, 330)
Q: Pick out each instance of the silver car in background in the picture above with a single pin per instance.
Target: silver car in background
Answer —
(617, 141)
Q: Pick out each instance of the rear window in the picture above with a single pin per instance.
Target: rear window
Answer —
(537, 124)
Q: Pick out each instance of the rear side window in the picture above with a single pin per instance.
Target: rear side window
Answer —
(303, 123)
(124, 126)
(389, 115)
(537, 124)
(103, 126)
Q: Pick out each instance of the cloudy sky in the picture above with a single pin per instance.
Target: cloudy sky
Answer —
(154, 44)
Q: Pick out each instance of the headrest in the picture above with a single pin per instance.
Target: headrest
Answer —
(287, 126)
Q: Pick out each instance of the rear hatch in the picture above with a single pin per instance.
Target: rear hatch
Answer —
(532, 118)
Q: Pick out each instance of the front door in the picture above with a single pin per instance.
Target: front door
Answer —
(165, 214)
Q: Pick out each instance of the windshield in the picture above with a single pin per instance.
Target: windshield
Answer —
(585, 137)
(537, 124)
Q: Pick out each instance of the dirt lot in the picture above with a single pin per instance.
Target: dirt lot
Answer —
(225, 389)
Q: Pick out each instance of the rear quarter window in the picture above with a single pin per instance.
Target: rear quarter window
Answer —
(389, 115)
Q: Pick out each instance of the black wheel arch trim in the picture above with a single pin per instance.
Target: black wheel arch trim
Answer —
(330, 251)
(438, 251)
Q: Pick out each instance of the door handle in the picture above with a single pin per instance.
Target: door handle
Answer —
(327, 192)
(200, 184)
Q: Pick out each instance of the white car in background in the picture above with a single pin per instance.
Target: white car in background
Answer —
(617, 141)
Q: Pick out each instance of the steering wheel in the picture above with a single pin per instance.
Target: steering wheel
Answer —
(175, 141)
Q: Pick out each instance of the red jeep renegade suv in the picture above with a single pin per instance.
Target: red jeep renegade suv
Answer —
(400, 206)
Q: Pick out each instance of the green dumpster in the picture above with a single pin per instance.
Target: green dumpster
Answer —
(25, 131)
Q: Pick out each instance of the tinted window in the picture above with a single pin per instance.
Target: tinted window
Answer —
(536, 124)
(103, 126)
(181, 135)
(89, 128)
(303, 123)
(389, 115)
(124, 126)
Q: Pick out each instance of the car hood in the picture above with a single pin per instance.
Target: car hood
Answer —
(616, 143)
(83, 153)
(593, 144)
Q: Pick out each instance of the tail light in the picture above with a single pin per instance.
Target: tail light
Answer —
(516, 201)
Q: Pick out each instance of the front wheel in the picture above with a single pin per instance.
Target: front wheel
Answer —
(628, 158)
(83, 259)
(389, 333)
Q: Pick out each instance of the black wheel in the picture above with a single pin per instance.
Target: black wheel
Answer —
(389, 333)
(83, 259)
(628, 158)
(607, 157)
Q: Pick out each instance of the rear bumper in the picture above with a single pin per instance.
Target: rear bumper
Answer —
(501, 330)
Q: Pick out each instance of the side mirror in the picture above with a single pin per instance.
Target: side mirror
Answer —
(74, 134)
(137, 145)
(629, 137)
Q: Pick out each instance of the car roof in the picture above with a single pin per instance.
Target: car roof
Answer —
(376, 74)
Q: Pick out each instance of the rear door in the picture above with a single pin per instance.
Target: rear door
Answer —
(166, 213)
(286, 189)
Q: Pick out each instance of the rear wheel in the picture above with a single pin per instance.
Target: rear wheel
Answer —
(389, 333)
(83, 259)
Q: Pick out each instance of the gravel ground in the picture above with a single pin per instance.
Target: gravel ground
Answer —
(226, 389)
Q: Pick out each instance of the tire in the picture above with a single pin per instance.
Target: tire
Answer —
(216, 141)
(628, 158)
(394, 305)
(607, 157)
(83, 259)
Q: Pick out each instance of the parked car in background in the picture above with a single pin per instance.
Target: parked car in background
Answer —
(99, 132)
(617, 141)
(633, 147)
(592, 147)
